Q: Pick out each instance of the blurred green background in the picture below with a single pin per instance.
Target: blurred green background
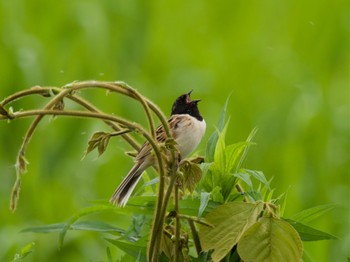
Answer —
(285, 64)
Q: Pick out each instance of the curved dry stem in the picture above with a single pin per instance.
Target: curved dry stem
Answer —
(114, 126)
(36, 90)
(177, 223)
(49, 91)
(101, 116)
(124, 89)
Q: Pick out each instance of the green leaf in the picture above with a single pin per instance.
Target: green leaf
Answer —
(216, 195)
(25, 251)
(211, 144)
(233, 154)
(270, 240)
(190, 206)
(258, 175)
(95, 226)
(308, 233)
(245, 177)
(219, 154)
(100, 141)
(204, 200)
(132, 249)
(109, 255)
(230, 221)
(254, 195)
(246, 149)
(78, 215)
(313, 213)
(45, 229)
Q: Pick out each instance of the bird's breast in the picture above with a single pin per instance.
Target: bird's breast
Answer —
(188, 134)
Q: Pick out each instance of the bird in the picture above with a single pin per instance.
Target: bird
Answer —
(187, 127)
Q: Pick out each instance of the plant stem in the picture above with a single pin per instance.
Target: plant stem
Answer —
(195, 236)
(130, 125)
(241, 190)
(124, 89)
(158, 227)
(177, 223)
(114, 126)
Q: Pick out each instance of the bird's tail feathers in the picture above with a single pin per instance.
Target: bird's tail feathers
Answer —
(122, 194)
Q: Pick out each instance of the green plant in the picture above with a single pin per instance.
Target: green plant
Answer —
(219, 209)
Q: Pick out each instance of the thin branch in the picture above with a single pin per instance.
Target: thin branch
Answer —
(124, 89)
(241, 191)
(114, 126)
(130, 125)
(49, 91)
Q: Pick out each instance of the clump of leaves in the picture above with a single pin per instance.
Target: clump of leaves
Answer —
(220, 210)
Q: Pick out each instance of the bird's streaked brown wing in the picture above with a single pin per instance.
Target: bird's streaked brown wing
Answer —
(146, 149)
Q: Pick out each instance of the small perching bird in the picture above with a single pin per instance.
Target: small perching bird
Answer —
(187, 127)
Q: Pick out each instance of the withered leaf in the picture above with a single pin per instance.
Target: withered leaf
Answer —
(192, 173)
(98, 140)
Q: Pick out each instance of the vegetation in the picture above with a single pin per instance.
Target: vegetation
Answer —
(285, 65)
(216, 220)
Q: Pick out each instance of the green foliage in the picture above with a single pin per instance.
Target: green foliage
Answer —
(229, 221)
(220, 175)
(286, 64)
(24, 252)
(270, 239)
(311, 214)
(231, 229)
(308, 233)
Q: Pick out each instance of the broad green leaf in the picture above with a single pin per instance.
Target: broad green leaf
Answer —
(308, 233)
(245, 177)
(191, 206)
(132, 249)
(204, 200)
(309, 215)
(270, 240)
(230, 221)
(211, 144)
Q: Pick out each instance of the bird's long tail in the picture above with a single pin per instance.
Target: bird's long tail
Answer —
(122, 194)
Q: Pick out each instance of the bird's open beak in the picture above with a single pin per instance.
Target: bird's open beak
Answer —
(188, 98)
(195, 101)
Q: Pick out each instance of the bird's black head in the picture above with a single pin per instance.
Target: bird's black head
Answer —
(184, 105)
